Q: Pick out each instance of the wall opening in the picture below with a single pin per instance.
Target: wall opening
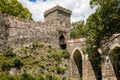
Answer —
(78, 64)
(95, 59)
(62, 42)
(115, 60)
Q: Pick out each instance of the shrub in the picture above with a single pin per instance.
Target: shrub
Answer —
(57, 56)
(25, 50)
(17, 63)
(36, 45)
(51, 76)
(60, 70)
(9, 52)
(7, 77)
(26, 76)
(5, 66)
(65, 54)
(40, 77)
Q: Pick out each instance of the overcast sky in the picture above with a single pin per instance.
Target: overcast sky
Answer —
(80, 8)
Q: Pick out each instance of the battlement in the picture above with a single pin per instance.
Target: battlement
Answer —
(57, 8)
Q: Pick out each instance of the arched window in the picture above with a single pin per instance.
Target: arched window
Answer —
(115, 60)
(62, 42)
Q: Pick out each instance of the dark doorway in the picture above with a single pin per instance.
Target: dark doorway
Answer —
(115, 60)
(62, 42)
(78, 61)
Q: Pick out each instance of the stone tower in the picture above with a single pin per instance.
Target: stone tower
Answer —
(59, 19)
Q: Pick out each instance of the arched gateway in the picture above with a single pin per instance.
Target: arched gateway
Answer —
(80, 66)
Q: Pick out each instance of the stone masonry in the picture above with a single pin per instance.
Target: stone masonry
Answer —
(16, 32)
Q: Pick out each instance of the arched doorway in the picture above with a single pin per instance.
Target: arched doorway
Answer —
(77, 64)
(115, 60)
(62, 42)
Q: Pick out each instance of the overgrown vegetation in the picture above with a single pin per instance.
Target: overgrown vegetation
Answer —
(38, 61)
(13, 7)
(77, 29)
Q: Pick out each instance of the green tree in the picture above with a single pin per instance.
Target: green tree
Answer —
(13, 7)
(103, 23)
(77, 29)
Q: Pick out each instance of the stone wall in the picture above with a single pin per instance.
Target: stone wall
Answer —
(19, 32)
(23, 33)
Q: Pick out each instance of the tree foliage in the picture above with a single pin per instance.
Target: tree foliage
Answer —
(77, 29)
(13, 7)
(103, 23)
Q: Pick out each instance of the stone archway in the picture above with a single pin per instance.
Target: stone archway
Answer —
(76, 61)
(115, 60)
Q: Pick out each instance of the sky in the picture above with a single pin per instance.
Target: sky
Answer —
(80, 8)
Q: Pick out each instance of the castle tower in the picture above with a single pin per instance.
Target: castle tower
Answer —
(59, 14)
(59, 18)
